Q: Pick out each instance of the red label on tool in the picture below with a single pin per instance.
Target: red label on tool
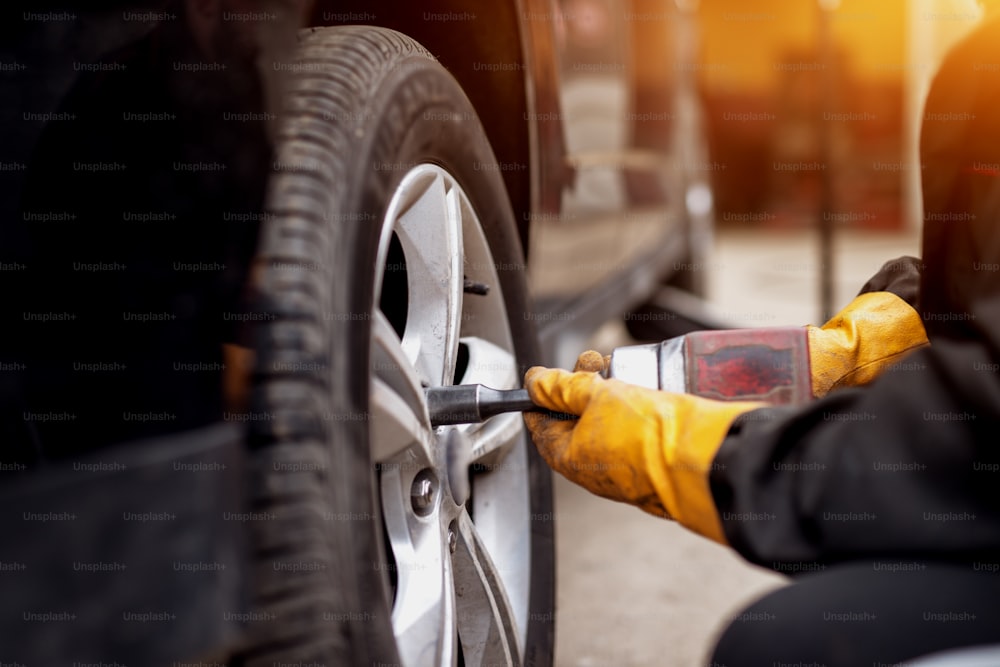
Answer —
(770, 364)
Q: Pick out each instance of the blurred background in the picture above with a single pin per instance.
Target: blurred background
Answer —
(857, 70)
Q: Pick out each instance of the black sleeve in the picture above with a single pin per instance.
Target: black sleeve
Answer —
(901, 276)
(909, 466)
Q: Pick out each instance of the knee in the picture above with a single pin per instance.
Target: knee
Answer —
(746, 637)
(774, 628)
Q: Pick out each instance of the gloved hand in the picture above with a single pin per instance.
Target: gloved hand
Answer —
(649, 448)
(870, 334)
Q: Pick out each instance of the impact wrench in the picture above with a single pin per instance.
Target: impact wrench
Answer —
(769, 364)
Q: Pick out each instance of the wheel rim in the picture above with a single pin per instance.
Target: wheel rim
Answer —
(461, 560)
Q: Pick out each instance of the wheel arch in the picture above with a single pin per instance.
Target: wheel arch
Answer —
(506, 67)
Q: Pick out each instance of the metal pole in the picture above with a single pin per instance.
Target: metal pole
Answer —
(689, 132)
(826, 203)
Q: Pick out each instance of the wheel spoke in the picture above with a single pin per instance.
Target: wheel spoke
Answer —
(486, 623)
(489, 364)
(423, 616)
(390, 364)
(430, 232)
(397, 433)
(495, 438)
(500, 505)
(456, 283)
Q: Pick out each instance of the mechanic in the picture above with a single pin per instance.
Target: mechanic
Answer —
(883, 499)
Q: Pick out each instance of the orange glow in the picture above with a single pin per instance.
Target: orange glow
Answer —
(792, 119)
(744, 42)
(747, 46)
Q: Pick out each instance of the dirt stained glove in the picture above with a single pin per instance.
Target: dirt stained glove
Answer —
(649, 448)
(870, 334)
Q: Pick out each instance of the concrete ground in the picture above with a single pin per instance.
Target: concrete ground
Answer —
(634, 590)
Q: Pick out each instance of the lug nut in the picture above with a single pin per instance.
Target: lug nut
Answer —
(422, 492)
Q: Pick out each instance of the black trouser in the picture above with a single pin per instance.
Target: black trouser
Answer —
(867, 615)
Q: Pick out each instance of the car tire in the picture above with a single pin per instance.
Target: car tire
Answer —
(389, 261)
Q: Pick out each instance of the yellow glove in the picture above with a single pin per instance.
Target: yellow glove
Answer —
(649, 448)
(870, 334)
